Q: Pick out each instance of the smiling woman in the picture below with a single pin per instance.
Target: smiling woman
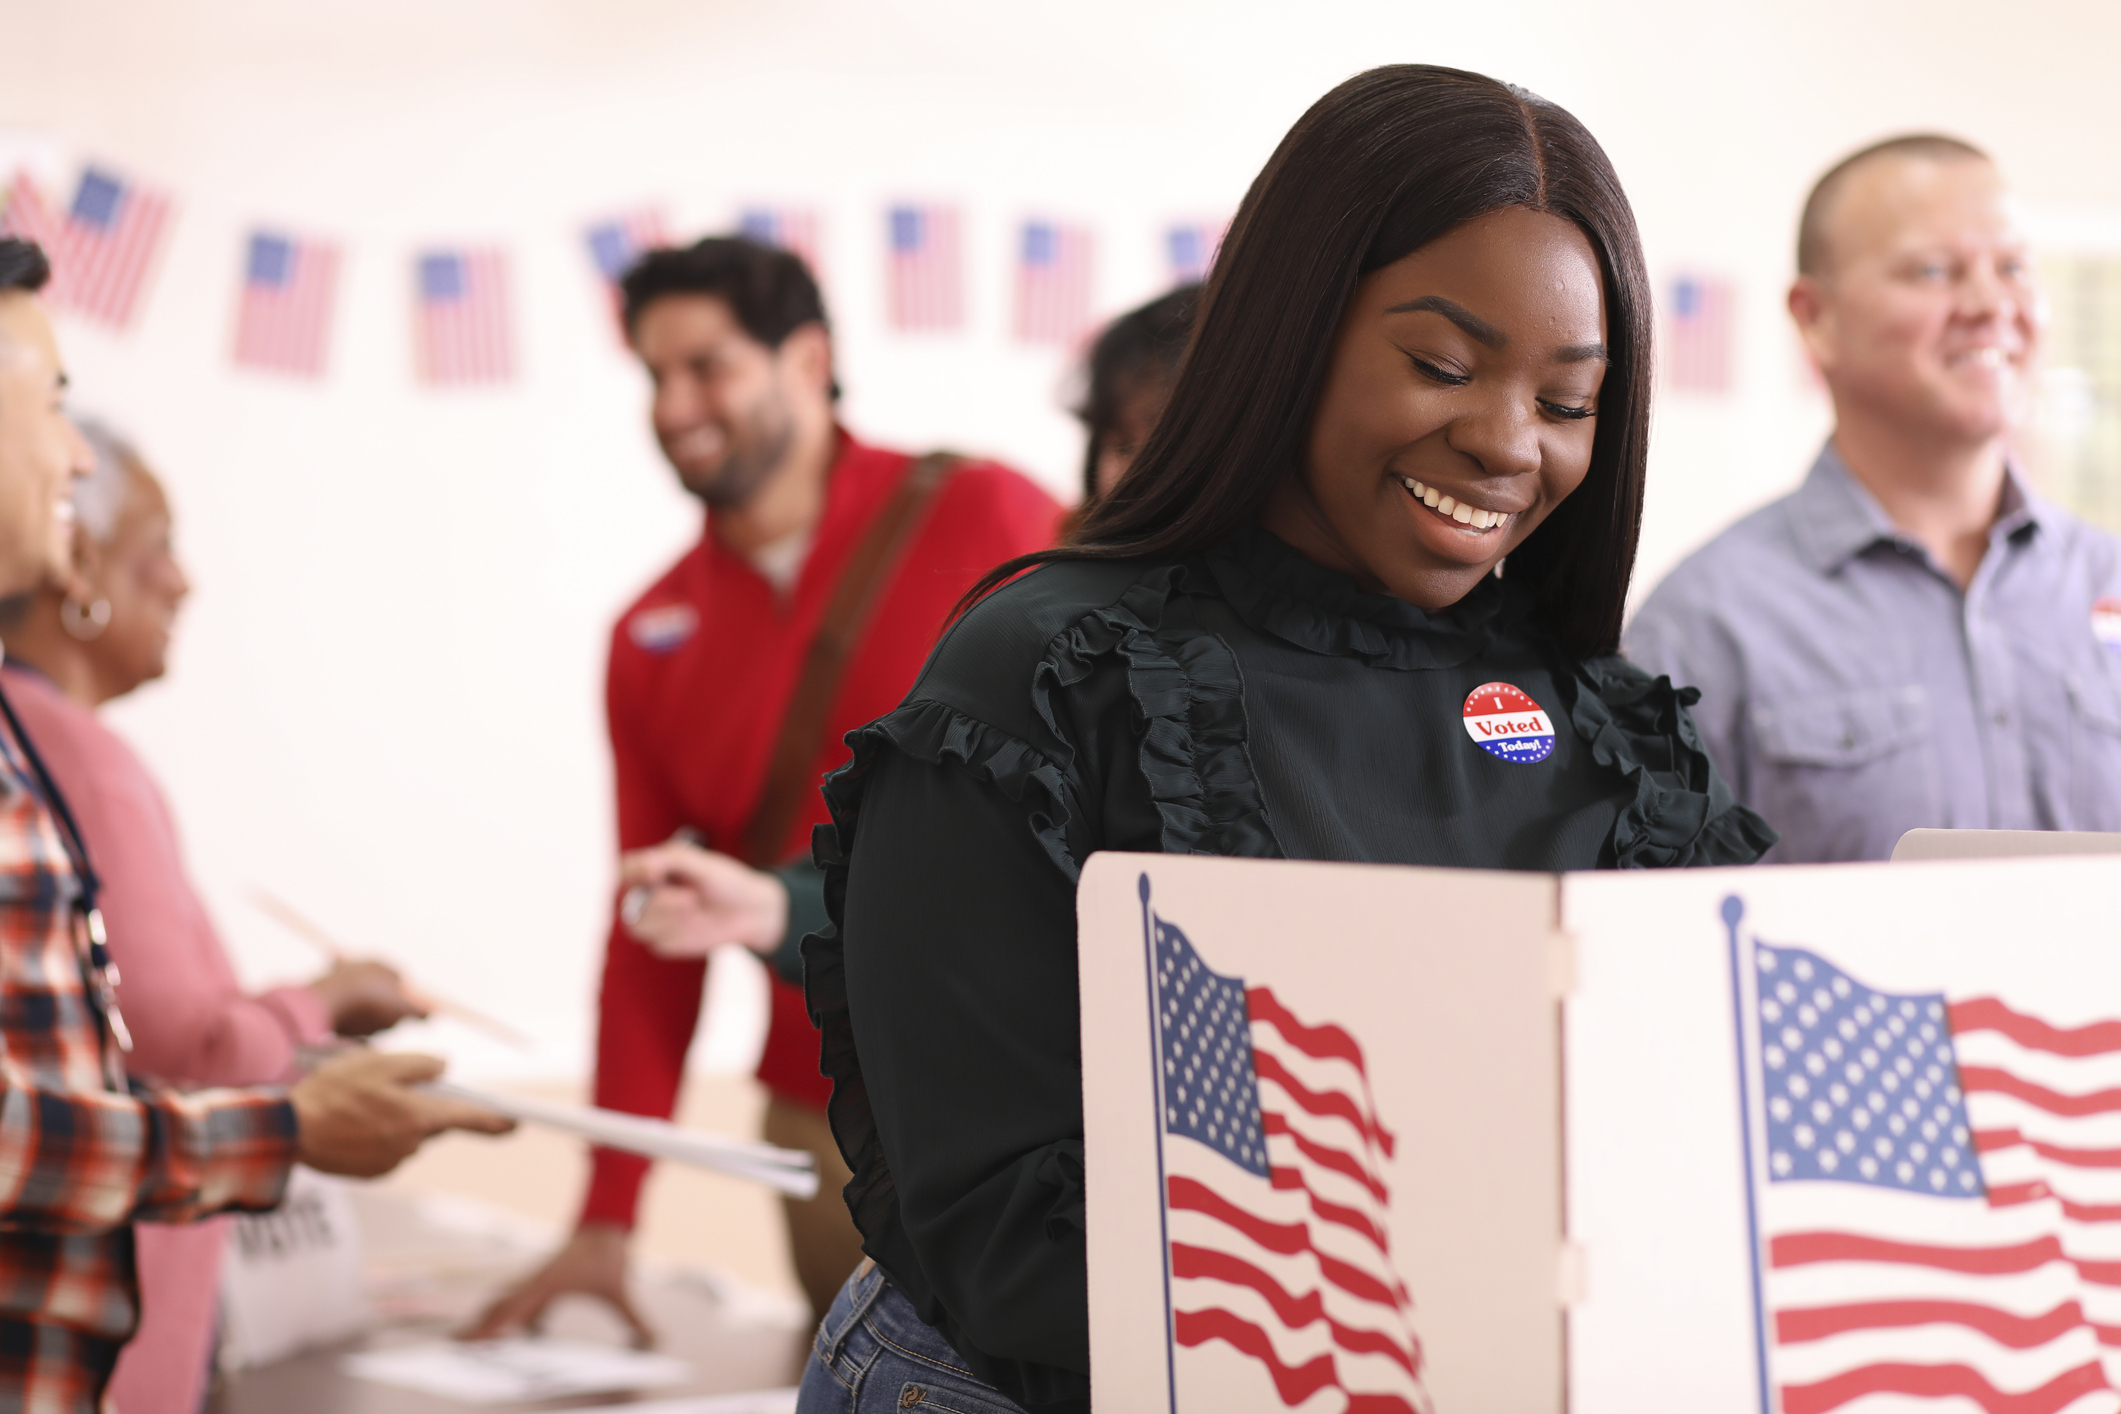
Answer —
(1356, 600)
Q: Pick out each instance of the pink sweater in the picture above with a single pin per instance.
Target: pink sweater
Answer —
(192, 1024)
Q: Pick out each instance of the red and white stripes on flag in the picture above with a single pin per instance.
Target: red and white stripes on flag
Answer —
(1700, 317)
(1276, 1209)
(795, 229)
(1053, 268)
(102, 247)
(462, 329)
(925, 272)
(1940, 1207)
(283, 316)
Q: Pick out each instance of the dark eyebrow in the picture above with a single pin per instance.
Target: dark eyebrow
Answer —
(1458, 314)
(1488, 334)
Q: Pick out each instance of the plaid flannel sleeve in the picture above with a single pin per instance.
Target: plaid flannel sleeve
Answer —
(87, 1161)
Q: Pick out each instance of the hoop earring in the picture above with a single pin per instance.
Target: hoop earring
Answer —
(85, 623)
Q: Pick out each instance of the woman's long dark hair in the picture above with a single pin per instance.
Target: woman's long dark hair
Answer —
(1381, 166)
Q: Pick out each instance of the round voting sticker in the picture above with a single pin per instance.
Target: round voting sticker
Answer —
(2106, 622)
(1507, 724)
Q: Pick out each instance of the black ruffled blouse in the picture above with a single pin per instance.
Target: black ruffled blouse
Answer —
(1243, 701)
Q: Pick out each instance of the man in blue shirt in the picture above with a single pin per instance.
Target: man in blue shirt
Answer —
(1913, 637)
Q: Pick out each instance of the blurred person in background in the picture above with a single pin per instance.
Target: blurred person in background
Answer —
(86, 1153)
(1132, 368)
(86, 637)
(1914, 637)
(824, 571)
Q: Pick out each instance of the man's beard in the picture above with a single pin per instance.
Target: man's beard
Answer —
(753, 459)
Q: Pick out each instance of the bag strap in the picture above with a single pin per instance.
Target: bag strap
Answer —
(790, 775)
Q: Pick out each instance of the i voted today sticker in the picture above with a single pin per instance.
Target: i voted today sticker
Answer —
(1507, 724)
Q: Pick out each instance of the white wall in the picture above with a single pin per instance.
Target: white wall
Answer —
(385, 704)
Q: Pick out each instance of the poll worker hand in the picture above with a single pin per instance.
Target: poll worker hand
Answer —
(358, 1115)
(684, 901)
(365, 997)
(593, 1263)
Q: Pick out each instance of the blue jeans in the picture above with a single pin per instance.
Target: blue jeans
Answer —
(873, 1355)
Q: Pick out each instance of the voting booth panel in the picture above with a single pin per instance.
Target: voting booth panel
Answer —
(1355, 1117)
(1834, 1138)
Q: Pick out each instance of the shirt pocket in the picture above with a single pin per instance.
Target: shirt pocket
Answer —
(2094, 752)
(1843, 775)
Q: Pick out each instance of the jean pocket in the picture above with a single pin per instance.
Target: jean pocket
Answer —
(931, 1397)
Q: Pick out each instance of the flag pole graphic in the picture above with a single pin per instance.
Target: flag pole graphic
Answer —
(1734, 910)
(1163, 1205)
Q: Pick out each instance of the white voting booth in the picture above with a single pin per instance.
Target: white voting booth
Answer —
(1779, 1139)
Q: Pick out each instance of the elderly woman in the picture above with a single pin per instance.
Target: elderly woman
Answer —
(70, 648)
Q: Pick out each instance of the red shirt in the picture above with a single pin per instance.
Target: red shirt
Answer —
(702, 666)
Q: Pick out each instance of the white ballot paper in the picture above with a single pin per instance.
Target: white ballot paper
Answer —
(515, 1371)
(791, 1171)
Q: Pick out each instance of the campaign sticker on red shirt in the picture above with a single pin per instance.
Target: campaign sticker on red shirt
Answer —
(2106, 622)
(662, 628)
(1507, 724)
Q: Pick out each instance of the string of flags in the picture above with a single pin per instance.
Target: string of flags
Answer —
(104, 244)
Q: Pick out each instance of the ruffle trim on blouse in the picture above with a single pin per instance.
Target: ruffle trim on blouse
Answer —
(1683, 814)
(1279, 592)
(1191, 708)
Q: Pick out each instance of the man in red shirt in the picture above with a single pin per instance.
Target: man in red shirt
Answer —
(708, 666)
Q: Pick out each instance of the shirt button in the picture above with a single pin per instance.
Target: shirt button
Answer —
(2001, 719)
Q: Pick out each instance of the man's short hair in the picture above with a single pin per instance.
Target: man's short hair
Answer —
(769, 290)
(1811, 227)
(22, 265)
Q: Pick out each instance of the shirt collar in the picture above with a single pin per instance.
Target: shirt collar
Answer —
(1838, 518)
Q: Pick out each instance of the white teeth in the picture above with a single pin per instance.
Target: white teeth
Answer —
(1463, 515)
(1456, 510)
(1445, 506)
(1430, 496)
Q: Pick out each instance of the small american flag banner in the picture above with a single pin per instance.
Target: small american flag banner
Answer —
(1699, 320)
(101, 247)
(1276, 1214)
(1189, 249)
(614, 247)
(1934, 1193)
(925, 273)
(615, 244)
(283, 316)
(1052, 282)
(794, 229)
(462, 329)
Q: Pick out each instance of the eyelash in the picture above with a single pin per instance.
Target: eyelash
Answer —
(1453, 380)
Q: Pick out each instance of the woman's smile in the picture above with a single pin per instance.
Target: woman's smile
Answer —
(1469, 518)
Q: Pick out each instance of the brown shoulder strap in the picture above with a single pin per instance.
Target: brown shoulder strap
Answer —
(790, 776)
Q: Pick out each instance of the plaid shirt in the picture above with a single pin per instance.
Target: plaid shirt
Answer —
(81, 1156)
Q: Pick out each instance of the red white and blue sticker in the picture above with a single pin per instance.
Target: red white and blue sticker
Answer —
(2106, 622)
(1507, 724)
(663, 628)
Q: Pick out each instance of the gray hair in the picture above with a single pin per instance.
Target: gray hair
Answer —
(100, 495)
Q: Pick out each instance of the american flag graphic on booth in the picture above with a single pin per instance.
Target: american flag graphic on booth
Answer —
(1277, 1215)
(283, 315)
(1699, 320)
(925, 275)
(1937, 1197)
(102, 246)
(1189, 249)
(1052, 282)
(462, 329)
(797, 230)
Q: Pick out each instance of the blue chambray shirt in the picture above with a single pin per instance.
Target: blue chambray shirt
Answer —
(1850, 692)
